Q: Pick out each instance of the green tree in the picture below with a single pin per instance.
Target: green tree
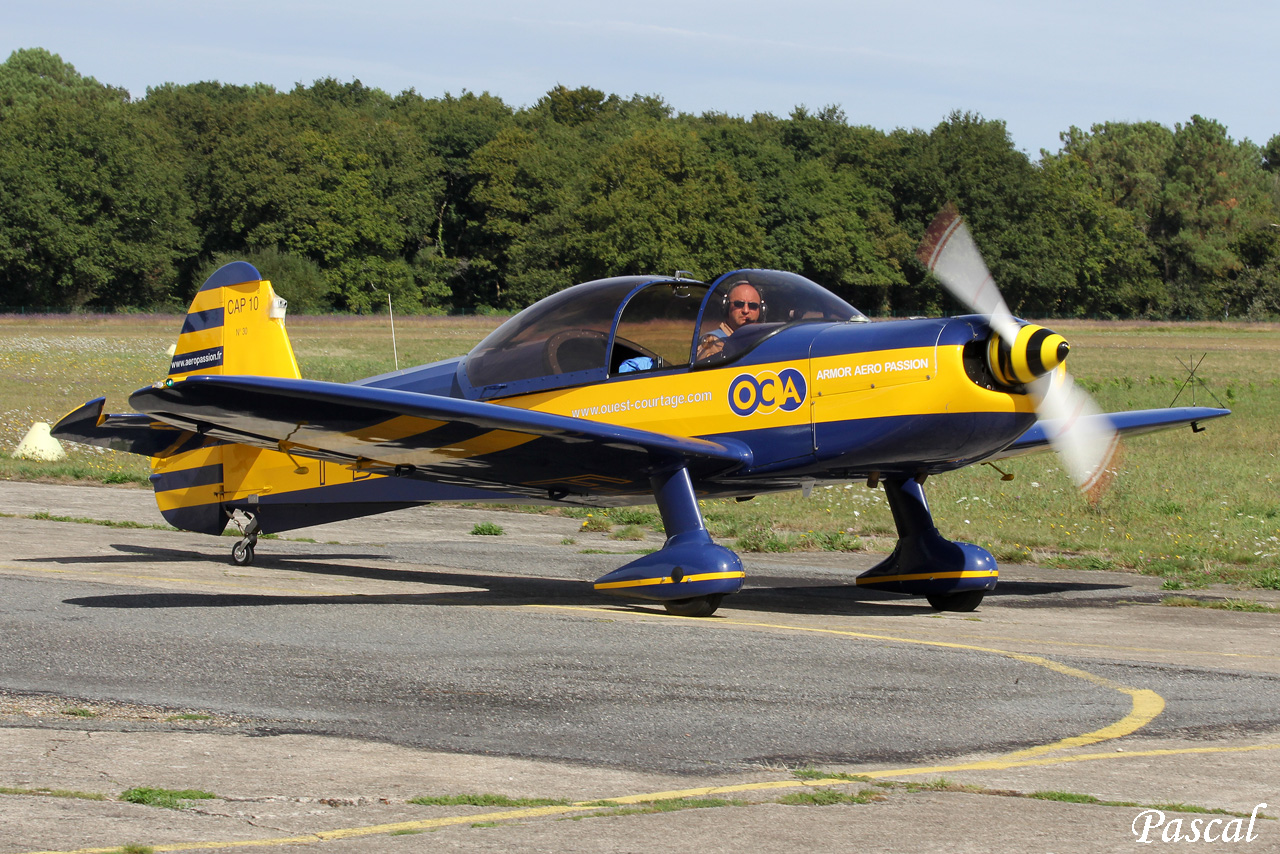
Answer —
(532, 183)
(1103, 262)
(576, 106)
(529, 188)
(1126, 162)
(34, 75)
(658, 201)
(820, 216)
(92, 211)
(301, 178)
(200, 116)
(1204, 204)
(347, 97)
(1214, 193)
(1255, 290)
(1271, 155)
(453, 129)
(969, 161)
(328, 172)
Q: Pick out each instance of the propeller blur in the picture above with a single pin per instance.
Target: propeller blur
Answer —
(1025, 354)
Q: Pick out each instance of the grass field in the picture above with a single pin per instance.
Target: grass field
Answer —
(1192, 508)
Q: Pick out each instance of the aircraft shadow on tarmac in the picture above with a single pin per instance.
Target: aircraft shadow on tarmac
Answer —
(773, 594)
(152, 554)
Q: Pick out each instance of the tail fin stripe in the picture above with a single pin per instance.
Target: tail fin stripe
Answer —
(198, 321)
(187, 478)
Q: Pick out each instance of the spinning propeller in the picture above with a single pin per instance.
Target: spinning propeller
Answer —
(1023, 354)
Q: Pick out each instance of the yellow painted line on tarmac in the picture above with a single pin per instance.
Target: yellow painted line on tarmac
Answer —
(1146, 704)
(705, 791)
(1147, 649)
(345, 833)
(997, 764)
(1006, 762)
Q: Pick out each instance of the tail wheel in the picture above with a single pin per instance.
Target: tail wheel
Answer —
(698, 606)
(242, 553)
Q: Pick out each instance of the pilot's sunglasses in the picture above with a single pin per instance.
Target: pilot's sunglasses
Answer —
(754, 306)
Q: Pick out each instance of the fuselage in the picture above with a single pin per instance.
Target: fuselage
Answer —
(837, 400)
(811, 391)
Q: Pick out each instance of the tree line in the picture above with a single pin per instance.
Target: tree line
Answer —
(346, 196)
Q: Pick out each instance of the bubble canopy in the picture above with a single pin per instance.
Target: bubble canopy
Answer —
(634, 324)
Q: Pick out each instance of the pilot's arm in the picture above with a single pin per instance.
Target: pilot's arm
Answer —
(710, 344)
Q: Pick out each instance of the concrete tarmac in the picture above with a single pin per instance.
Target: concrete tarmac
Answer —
(1170, 706)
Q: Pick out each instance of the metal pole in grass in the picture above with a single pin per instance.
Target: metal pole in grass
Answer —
(394, 353)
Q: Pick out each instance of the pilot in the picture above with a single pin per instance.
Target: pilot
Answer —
(742, 306)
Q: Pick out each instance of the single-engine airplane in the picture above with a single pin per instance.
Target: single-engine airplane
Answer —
(628, 390)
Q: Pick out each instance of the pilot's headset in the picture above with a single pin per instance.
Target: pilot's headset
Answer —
(724, 303)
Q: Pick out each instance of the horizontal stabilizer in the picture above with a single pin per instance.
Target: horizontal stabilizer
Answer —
(433, 437)
(132, 433)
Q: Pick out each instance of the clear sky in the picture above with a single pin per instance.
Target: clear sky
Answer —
(1039, 66)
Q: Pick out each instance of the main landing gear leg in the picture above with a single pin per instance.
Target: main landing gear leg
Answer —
(242, 551)
(952, 576)
(690, 574)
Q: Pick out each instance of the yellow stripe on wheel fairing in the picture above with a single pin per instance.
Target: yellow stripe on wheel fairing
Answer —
(651, 582)
(931, 576)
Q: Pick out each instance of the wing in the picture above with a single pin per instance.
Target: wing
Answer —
(430, 436)
(1037, 437)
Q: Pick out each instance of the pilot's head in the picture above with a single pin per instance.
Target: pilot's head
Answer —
(742, 306)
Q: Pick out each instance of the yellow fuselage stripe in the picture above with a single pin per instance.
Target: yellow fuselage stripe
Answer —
(877, 384)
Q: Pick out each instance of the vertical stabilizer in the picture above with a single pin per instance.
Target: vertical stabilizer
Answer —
(235, 326)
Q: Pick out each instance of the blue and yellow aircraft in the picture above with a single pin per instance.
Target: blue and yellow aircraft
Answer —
(629, 390)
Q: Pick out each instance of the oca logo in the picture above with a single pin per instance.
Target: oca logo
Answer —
(767, 392)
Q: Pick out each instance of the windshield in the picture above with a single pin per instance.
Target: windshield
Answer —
(565, 333)
(631, 324)
(746, 306)
(656, 326)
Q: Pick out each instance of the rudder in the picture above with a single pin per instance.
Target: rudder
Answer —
(235, 325)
